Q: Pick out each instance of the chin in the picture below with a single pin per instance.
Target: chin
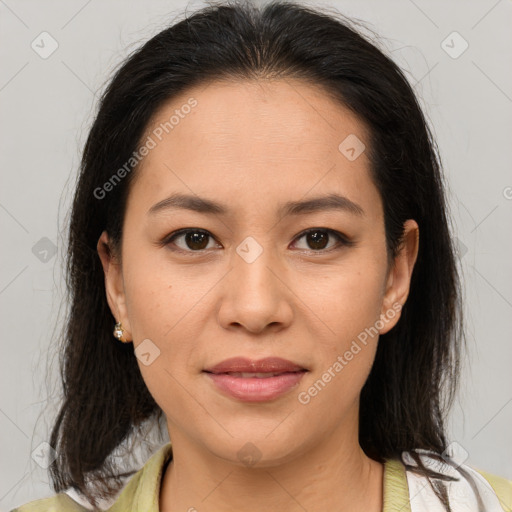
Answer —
(258, 450)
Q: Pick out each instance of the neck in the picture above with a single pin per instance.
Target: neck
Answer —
(334, 475)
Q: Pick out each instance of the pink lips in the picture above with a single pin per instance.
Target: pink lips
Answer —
(275, 376)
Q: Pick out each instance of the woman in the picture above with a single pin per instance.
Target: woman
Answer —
(260, 255)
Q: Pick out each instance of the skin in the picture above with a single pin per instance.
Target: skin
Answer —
(253, 146)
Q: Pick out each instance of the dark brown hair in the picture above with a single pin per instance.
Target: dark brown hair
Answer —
(415, 374)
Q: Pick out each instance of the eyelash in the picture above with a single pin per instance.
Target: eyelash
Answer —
(343, 241)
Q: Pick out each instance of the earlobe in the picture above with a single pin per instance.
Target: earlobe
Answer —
(114, 286)
(399, 277)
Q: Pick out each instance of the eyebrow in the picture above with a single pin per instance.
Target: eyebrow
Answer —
(207, 206)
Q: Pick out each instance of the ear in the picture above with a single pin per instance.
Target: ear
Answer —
(399, 277)
(114, 283)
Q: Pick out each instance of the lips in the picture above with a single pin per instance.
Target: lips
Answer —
(255, 381)
(268, 365)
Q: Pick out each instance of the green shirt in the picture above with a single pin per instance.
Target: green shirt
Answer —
(141, 493)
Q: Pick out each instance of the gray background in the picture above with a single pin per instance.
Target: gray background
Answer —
(46, 107)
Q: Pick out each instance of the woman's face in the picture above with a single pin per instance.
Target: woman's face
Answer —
(248, 280)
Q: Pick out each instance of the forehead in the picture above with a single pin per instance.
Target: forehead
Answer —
(256, 139)
(270, 112)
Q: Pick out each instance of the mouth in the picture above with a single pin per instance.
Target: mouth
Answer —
(263, 367)
(250, 375)
(255, 381)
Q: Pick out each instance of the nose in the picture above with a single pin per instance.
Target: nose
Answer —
(255, 294)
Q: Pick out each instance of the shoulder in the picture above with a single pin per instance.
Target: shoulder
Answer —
(142, 491)
(59, 503)
(501, 486)
(139, 492)
(472, 488)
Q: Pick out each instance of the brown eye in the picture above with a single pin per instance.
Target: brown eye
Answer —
(192, 240)
(195, 240)
(318, 239)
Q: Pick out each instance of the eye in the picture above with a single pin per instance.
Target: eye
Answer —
(197, 240)
(193, 240)
(319, 238)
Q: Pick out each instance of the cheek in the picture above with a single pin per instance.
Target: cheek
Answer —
(161, 306)
(350, 300)
(158, 297)
(344, 352)
(349, 306)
